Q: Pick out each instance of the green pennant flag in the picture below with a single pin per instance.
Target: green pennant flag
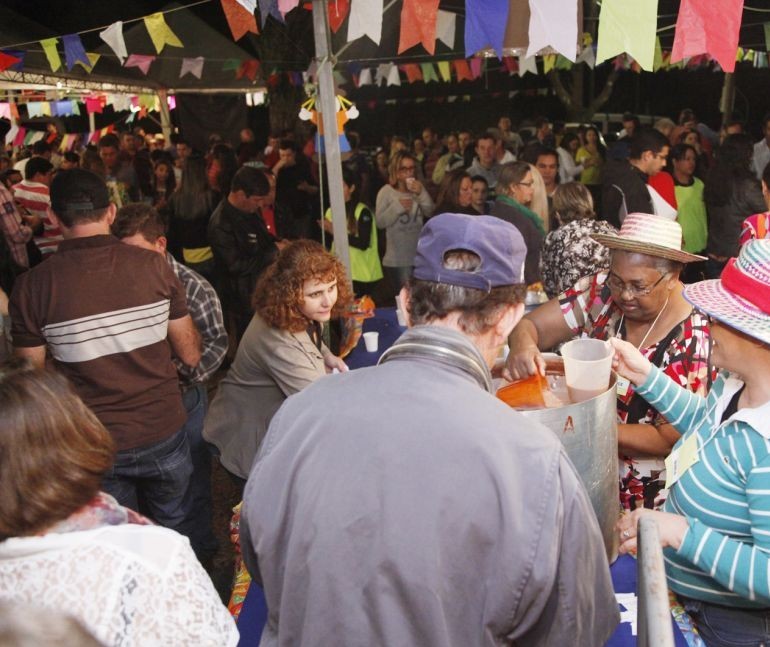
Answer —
(657, 61)
(563, 63)
(428, 72)
(231, 64)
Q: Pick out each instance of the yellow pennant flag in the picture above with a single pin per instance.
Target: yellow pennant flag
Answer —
(628, 26)
(549, 62)
(93, 58)
(51, 53)
(160, 32)
(445, 70)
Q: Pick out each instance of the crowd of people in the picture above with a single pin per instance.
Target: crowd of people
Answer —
(133, 272)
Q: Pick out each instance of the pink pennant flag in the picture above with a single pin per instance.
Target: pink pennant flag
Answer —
(20, 135)
(475, 66)
(192, 66)
(141, 61)
(5, 111)
(93, 104)
(708, 28)
(285, 6)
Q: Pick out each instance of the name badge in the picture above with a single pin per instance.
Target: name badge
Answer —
(681, 459)
(622, 386)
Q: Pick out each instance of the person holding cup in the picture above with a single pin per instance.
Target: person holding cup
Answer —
(281, 351)
(715, 524)
(402, 206)
(638, 299)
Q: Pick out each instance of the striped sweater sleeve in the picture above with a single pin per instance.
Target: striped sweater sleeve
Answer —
(736, 565)
(682, 408)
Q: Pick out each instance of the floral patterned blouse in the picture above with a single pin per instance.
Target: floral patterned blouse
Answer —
(683, 355)
(569, 253)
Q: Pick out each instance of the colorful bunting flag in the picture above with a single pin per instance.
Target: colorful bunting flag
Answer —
(94, 105)
(527, 64)
(285, 6)
(412, 71)
(365, 20)
(160, 33)
(249, 69)
(485, 22)
(549, 62)
(240, 18)
(445, 71)
(418, 25)
(462, 70)
(192, 66)
(21, 133)
(767, 35)
(113, 36)
(510, 64)
(383, 69)
(446, 26)
(51, 53)
(553, 23)
(7, 61)
(338, 11)
(708, 27)
(73, 51)
(393, 76)
(628, 27)
(64, 108)
(10, 136)
(269, 8)
(587, 56)
(428, 72)
(93, 58)
(141, 61)
(365, 78)
(475, 65)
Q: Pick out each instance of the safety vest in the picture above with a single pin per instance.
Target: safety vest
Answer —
(365, 264)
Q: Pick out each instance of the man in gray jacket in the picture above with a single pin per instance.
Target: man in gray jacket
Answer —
(404, 504)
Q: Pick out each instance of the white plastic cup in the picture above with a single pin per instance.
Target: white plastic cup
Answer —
(401, 318)
(587, 368)
(371, 341)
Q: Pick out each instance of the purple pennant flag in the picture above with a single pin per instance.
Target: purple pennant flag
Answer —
(16, 53)
(63, 108)
(485, 22)
(269, 7)
(74, 52)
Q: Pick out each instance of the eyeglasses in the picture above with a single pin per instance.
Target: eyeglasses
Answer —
(617, 286)
(406, 168)
(527, 184)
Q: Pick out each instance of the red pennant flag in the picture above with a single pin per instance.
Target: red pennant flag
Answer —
(462, 70)
(708, 28)
(239, 19)
(475, 66)
(6, 61)
(338, 11)
(510, 64)
(418, 25)
(248, 68)
(413, 72)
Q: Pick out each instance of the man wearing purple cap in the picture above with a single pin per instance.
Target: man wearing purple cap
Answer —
(404, 504)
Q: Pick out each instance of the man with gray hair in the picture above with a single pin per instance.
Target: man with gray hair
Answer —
(404, 504)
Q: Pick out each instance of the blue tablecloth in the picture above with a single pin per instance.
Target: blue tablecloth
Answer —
(384, 322)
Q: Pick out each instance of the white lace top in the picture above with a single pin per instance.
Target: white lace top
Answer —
(131, 585)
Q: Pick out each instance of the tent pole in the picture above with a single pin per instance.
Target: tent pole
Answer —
(165, 114)
(327, 106)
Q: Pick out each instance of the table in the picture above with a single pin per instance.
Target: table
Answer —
(384, 322)
(254, 612)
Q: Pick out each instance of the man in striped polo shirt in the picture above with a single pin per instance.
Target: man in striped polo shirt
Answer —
(104, 313)
(33, 195)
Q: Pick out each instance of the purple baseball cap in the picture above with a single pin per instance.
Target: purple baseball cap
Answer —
(496, 242)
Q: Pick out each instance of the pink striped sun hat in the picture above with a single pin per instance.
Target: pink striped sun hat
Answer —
(740, 298)
(644, 233)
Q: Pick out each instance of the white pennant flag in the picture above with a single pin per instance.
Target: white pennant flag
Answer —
(445, 28)
(248, 5)
(365, 78)
(365, 20)
(382, 73)
(113, 36)
(528, 64)
(587, 56)
(554, 23)
(11, 134)
(393, 76)
(192, 66)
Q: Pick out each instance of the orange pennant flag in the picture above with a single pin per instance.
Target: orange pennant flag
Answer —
(418, 25)
(413, 72)
(239, 19)
(462, 70)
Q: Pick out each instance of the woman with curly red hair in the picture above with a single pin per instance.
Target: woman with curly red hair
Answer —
(281, 351)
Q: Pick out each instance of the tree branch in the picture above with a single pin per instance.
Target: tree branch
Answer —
(558, 87)
(601, 98)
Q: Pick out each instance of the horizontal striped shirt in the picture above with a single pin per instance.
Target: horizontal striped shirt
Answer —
(35, 198)
(725, 553)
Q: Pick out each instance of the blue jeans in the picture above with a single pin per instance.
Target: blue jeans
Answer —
(721, 626)
(197, 501)
(156, 475)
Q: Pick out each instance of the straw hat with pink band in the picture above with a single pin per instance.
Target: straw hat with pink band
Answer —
(740, 298)
(644, 233)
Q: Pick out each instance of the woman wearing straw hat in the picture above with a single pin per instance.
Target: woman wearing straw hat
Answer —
(638, 299)
(716, 524)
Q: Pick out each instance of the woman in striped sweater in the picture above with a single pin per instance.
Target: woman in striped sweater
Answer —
(715, 527)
